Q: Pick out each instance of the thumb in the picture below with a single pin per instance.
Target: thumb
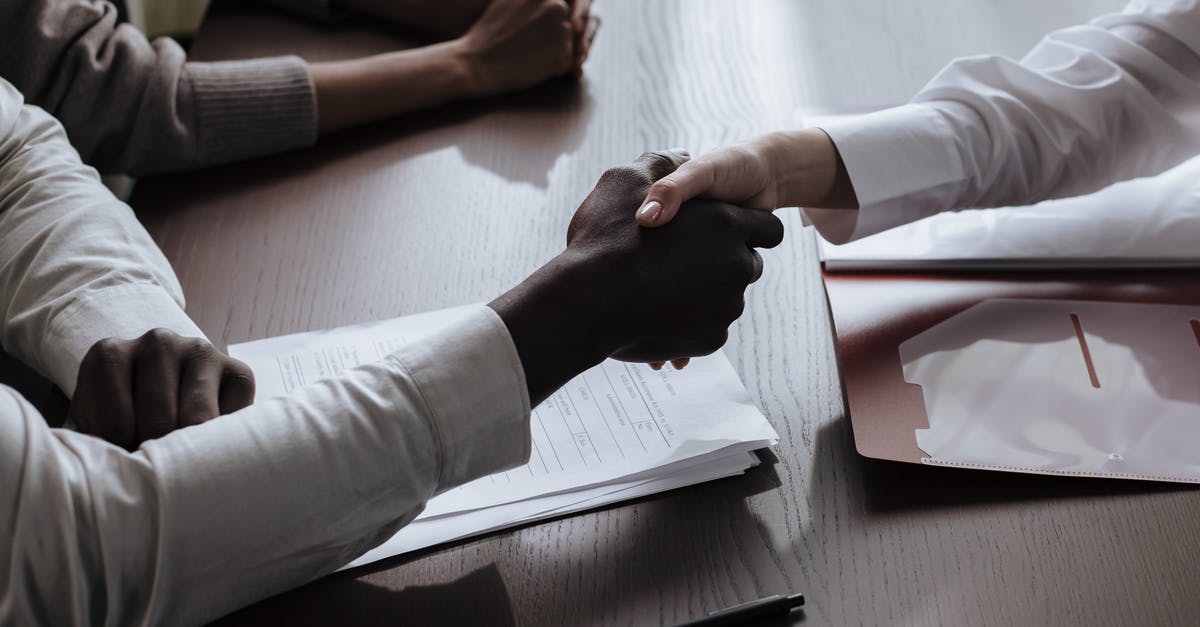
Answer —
(670, 192)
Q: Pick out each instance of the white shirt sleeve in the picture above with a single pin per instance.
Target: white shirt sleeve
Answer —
(209, 518)
(75, 264)
(214, 517)
(1090, 105)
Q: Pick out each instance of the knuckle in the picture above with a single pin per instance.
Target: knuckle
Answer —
(239, 376)
(154, 342)
(623, 175)
(667, 187)
(620, 172)
(197, 350)
(238, 370)
(556, 9)
(107, 350)
(158, 336)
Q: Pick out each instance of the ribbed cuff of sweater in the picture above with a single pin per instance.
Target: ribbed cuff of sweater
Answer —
(251, 108)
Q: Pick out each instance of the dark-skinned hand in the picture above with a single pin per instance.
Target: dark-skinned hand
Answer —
(682, 288)
(130, 391)
(637, 294)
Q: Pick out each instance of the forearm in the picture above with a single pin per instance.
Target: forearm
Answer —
(558, 332)
(370, 89)
(75, 264)
(1090, 105)
(135, 106)
(255, 502)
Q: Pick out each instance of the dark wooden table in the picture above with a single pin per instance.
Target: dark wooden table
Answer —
(454, 206)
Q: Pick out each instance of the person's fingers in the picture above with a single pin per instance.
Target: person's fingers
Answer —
(566, 62)
(559, 11)
(237, 386)
(103, 402)
(200, 386)
(583, 43)
(155, 384)
(95, 362)
(683, 345)
(671, 191)
(758, 265)
(590, 31)
(680, 364)
(762, 228)
(580, 10)
(660, 163)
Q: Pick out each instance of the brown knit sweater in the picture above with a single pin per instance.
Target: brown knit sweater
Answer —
(138, 107)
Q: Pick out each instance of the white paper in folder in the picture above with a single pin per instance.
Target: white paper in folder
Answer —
(615, 432)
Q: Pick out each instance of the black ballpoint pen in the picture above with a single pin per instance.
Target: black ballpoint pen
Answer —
(766, 607)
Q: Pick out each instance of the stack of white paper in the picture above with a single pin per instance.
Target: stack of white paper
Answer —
(615, 432)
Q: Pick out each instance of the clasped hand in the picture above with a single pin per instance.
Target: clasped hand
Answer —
(519, 43)
(633, 293)
(671, 292)
(130, 391)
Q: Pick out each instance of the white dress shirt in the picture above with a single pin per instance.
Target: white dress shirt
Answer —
(213, 517)
(1090, 105)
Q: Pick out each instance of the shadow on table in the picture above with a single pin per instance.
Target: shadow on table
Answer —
(519, 137)
(682, 539)
(482, 597)
(889, 486)
(653, 538)
(479, 598)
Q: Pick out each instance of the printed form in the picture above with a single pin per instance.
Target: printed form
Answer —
(617, 431)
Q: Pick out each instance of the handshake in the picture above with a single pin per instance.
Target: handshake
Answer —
(633, 293)
(618, 290)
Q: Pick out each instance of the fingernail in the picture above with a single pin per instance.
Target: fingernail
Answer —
(649, 211)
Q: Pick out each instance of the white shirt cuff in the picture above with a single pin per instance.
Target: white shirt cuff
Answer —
(473, 385)
(121, 311)
(900, 161)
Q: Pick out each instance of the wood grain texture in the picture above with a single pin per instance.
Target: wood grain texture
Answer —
(451, 207)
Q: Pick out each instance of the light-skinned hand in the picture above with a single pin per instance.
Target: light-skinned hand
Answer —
(788, 169)
(517, 44)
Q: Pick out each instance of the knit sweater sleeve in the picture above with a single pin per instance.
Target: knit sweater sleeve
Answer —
(136, 106)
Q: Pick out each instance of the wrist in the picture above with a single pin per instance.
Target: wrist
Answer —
(382, 86)
(469, 71)
(807, 169)
(453, 74)
(558, 326)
